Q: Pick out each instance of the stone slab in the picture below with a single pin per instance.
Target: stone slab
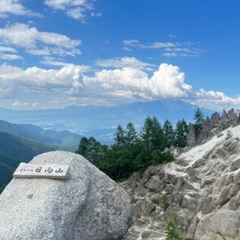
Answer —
(55, 171)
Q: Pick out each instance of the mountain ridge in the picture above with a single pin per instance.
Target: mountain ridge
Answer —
(195, 197)
(36, 133)
(94, 120)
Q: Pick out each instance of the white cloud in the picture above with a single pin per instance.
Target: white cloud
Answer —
(9, 53)
(124, 62)
(36, 42)
(169, 81)
(158, 45)
(10, 57)
(77, 9)
(132, 43)
(7, 49)
(214, 100)
(172, 35)
(133, 84)
(14, 7)
(51, 61)
(108, 86)
(71, 84)
(20, 104)
(168, 49)
(39, 80)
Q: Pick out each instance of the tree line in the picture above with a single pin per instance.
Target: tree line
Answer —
(135, 150)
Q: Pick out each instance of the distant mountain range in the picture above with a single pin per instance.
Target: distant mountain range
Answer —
(62, 140)
(101, 121)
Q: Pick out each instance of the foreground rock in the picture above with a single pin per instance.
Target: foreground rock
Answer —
(88, 205)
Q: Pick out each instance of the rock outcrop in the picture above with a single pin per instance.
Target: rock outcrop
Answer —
(88, 205)
(212, 126)
(199, 192)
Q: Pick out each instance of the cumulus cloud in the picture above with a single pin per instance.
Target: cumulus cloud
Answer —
(73, 84)
(169, 81)
(40, 80)
(168, 49)
(35, 42)
(104, 87)
(214, 100)
(77, 9)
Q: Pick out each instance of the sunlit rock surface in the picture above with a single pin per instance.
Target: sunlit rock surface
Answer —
(199, 191)
(88, 205)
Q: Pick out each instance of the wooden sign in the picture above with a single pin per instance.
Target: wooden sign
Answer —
(55, 171)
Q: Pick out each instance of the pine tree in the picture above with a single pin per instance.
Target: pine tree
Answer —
(119, 136)
(168, 133)
(83, 147)
(92, 150)
(152, 134)
(181, 134)
(199, 120)
(131, 135)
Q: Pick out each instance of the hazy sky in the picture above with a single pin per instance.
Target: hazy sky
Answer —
(55, 53)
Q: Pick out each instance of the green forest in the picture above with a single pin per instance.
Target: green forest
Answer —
(14, 150)
(133, 151)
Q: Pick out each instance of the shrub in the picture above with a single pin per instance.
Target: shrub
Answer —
(171, 231)
(228, 135)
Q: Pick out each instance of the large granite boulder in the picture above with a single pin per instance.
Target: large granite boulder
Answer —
(87, 205)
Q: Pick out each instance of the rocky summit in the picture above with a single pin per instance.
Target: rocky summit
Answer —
(87, 205)
(199, 193)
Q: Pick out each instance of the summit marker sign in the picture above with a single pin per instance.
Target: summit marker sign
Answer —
(54, 171)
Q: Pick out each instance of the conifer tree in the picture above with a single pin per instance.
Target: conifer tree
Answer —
(181, 134)
(130, 134)
(199, 120)
(119, 136)
(168, 133)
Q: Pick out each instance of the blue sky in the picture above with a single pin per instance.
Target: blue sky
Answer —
(56, 53)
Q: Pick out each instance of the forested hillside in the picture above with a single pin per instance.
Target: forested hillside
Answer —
(14, 150)
(63, 140)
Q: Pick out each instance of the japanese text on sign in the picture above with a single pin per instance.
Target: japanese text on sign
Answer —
(25, 170)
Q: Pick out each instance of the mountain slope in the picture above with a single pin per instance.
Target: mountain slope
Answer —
(22, 131)
(14, 150)
(197, 195)
(62, 139)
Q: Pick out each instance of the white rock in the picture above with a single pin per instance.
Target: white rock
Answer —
(88, 205)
